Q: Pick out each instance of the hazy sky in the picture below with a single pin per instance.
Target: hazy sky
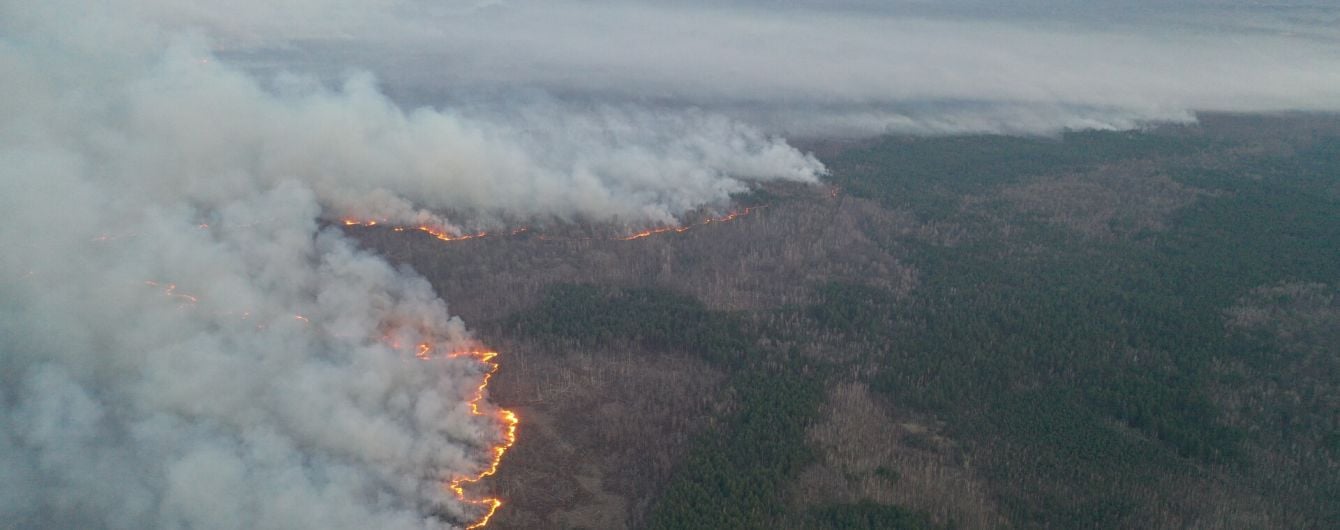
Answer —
(811, 68)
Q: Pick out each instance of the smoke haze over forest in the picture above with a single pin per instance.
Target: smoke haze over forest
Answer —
(175, 302)
(187, 343)
(815, 69)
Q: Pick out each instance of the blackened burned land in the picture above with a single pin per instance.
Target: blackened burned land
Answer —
(1106, 329)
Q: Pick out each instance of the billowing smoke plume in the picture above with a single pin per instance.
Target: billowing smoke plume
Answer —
(186, 342)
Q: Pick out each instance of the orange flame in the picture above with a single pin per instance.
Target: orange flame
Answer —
(435, 231)
(509, 420)
(654, 231)
(733, 215)
(170, 291)
(442, 234)
(424, 351)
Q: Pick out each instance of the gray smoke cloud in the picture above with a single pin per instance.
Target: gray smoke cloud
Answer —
(850, 67)
(187, 342)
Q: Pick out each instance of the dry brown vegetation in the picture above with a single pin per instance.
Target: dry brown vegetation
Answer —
(602, 431)
(868, 454)
(1116, 200)
(766, 259)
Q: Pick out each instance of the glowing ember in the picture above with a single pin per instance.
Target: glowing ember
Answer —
(732, 215)
(170, 290)
(509, 420)
(435, 231)
(678, 229)
(105, 237)
(424, 350)
(654, 231)
(443, 235)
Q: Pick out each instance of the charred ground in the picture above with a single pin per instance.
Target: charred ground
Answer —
(1106, 329)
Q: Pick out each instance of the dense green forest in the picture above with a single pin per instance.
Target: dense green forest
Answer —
(1041, 337)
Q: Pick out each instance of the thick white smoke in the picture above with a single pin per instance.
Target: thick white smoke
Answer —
(229, 376)
(184, 343)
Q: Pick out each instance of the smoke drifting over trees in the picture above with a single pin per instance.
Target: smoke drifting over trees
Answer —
(185, 343)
